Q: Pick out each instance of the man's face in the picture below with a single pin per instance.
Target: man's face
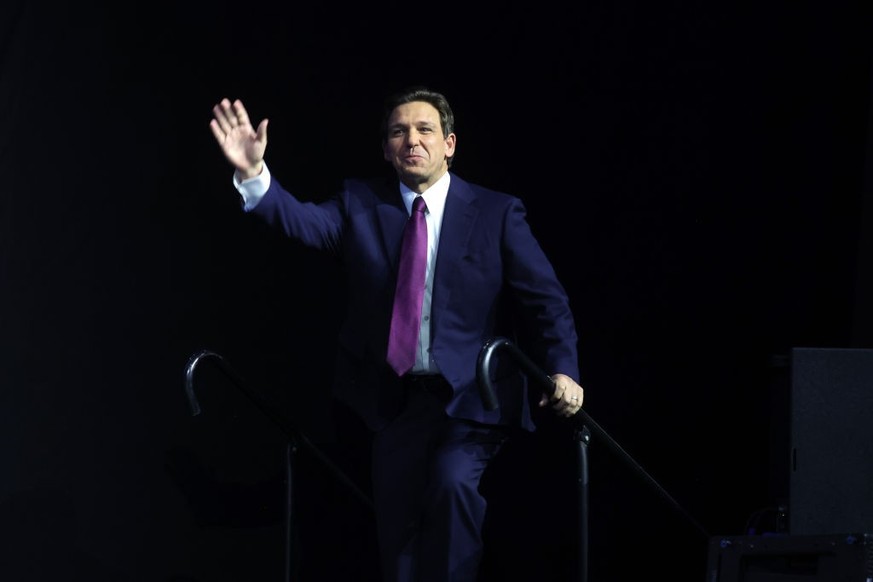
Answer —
(415, 145)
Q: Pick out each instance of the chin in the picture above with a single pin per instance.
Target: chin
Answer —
(411, 173)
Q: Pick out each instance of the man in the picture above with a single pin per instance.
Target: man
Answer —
(485, 276)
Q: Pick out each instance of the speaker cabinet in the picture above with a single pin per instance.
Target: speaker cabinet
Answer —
(831, 475)
(786, 558)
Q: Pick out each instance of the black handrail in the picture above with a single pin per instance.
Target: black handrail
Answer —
(269, 410)
(581, 418)
(581, 435)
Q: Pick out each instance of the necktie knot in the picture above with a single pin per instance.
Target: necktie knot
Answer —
(418, 204)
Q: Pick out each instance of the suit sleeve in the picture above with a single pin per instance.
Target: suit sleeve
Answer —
(545, 319)
(319, 226)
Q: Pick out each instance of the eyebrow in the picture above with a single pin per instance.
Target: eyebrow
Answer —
(425, 123)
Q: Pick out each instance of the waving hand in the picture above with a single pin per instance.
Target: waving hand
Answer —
(242, 145)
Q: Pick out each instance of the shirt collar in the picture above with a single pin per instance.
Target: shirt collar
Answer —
(434, 197)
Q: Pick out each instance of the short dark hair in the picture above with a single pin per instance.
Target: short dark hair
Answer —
(420, 93)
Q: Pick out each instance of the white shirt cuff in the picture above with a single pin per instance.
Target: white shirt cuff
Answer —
(253, 189)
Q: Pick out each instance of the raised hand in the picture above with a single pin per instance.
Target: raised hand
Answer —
(242, 145)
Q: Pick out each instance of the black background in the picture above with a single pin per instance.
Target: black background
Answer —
(698, 172)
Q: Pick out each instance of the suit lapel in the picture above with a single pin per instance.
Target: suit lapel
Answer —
(459, 217)
(391, 217)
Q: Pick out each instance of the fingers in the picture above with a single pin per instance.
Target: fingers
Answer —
(567, 398)
(217, 131)
(262, 131)
(221, 121)
(228, 116)
(242, 116)
(568, 403)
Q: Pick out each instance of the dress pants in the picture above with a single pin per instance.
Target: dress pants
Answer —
(426, 473)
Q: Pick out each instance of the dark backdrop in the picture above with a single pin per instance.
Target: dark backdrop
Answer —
(698, 172)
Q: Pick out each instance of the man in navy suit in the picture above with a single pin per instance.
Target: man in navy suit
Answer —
(486, 276)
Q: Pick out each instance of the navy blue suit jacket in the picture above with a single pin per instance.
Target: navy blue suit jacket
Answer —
(491, 279)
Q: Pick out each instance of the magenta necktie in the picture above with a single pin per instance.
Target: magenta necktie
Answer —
(406, 317)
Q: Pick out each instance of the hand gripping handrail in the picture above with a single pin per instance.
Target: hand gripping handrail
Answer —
(489, 398)
(270, 411)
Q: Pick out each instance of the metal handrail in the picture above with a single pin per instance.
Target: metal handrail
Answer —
(269, 410)
(581, 419)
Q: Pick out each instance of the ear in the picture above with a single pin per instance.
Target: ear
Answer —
(450, 145)
(385, 152)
